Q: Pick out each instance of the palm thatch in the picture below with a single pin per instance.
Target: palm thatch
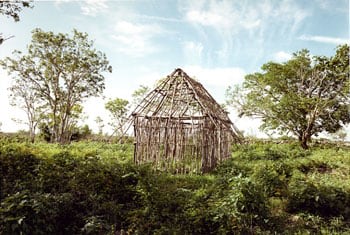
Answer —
(180, 127)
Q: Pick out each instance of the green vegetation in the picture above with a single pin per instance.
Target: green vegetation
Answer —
(118, 109)
(53, 79)
(94, 188)
(303, 96)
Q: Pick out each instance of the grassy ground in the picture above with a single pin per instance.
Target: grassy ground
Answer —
(94, 188)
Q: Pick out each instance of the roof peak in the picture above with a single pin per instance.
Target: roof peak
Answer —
(178, 72)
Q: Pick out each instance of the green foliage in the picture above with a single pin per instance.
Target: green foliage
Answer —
(242, 207)
(309, 195)
(33, 213)
(273, 177)
(80, 133)
(139, 94)
(303, 96)
(94, 188)
(60, 72)
(118, 109)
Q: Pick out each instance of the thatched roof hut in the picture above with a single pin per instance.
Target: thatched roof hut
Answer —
(179, 127)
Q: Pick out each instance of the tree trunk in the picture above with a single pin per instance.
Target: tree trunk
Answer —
(304, 139)
(303, 144)
(32, 132)
(32, 136)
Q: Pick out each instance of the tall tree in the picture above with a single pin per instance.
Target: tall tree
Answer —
(12, 9)
(63, 71)
(303, 96)
(118, 109)
(24, 96)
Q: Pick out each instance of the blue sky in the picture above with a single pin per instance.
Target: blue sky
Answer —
(218, 42)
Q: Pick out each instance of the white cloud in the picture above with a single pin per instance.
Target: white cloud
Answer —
(218, 77)
(159, 18)
(216, 80)
(136, 39)
(93, 7)
(324, 39)
(58, 2)
(8, 112)
(235, 15)
(208, 18)
(281, 56)
(324, 4)
(193, 52)
(251, 24)
(149, 79)
(88, 7)
(289, 13)
(331, 5)
(218, 15)
(255, 20)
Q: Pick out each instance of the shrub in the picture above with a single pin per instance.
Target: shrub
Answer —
(317, 198)
(94, 188)
(18, 169)
(26, 212)
(273, 178)
(242, 208)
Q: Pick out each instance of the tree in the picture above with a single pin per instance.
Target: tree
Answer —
(303, 96)
(62, 71)
(139, 94)
(24, 96)
(79, 133)
(76, 115)
(118, 109)
(12, 9)
(100, 125)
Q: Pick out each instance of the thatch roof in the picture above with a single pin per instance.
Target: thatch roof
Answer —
(179, 96)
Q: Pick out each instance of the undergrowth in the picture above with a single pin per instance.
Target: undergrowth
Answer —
(94, 188)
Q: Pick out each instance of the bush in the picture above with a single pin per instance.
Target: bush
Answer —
(242, 208)
(94, 188)
(317, 198)
(18, 169)
(36, 213)
(73, 189)
(273, 178)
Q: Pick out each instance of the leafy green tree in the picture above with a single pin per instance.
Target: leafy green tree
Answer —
(73, 131)
(303, 96)
(24, 96)
(63, 71)
(139, 94)
(118, 109)
(12, 9)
